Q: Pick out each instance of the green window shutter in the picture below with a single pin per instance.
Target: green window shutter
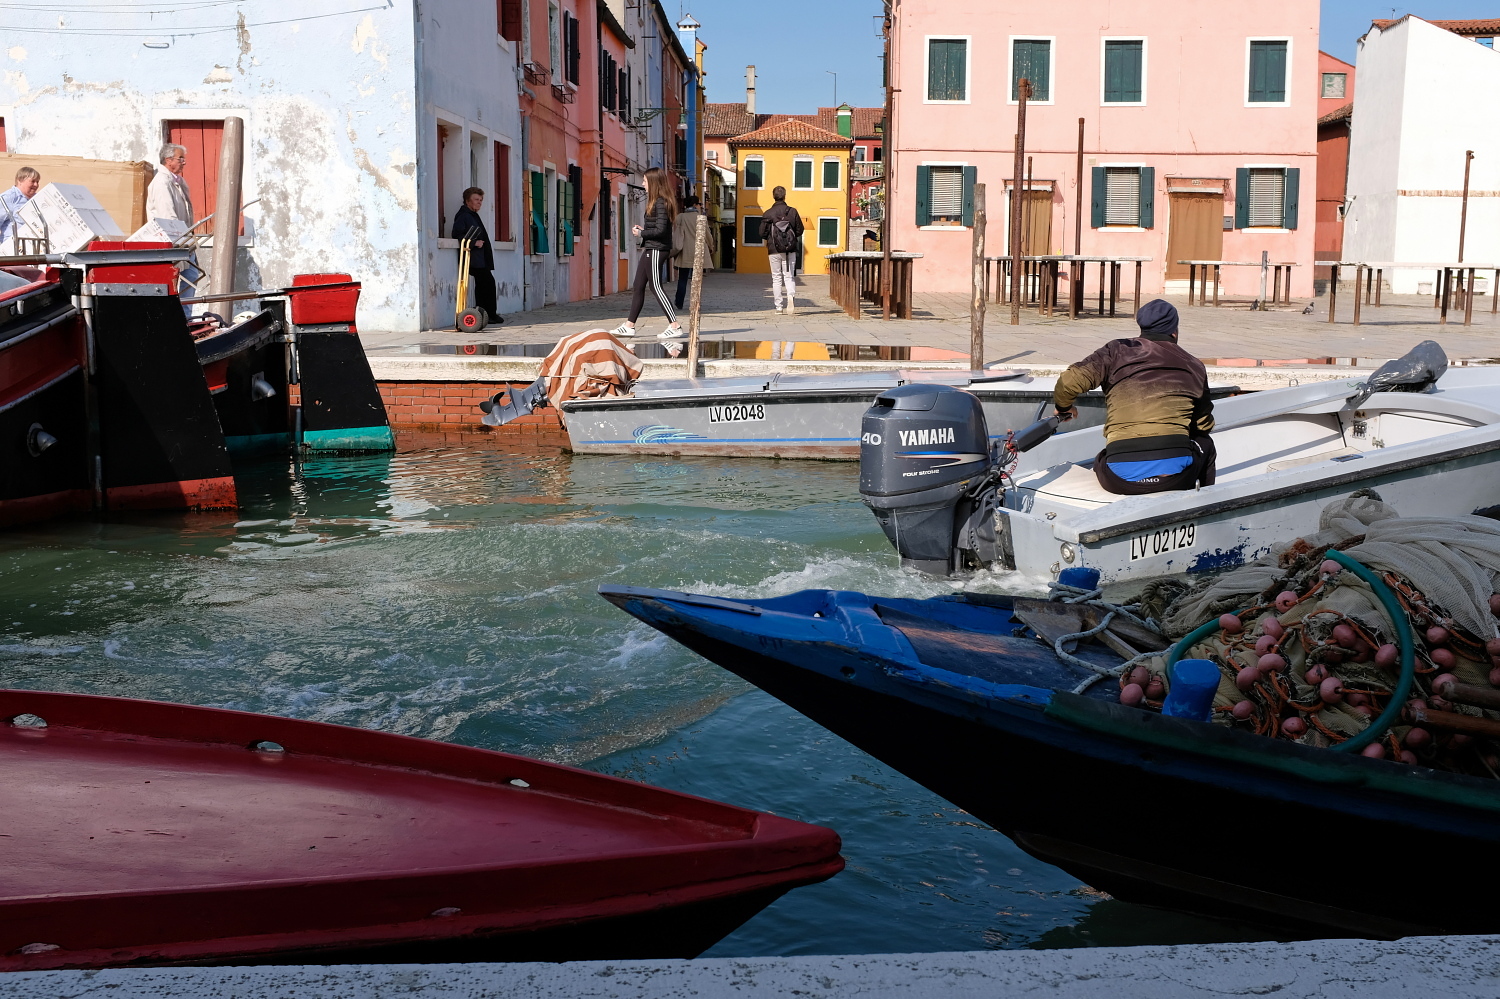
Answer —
(1031, 60)
(752, 230)
(828, 232)
(947, 65)
(971, 174)
(1242, 198)
(1289, 196)
(1097, 207)
(1148, 197)
(802, 173)
(539, 242)
(755, 174)
(1122, 71)
(1267, 72)
(924, 195)
(831, 175)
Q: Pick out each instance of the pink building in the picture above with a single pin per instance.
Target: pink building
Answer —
(1200, 133)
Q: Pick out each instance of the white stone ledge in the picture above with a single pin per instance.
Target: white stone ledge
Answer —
(1415, 968)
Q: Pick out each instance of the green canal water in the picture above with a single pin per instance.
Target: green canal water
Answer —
(447, 591)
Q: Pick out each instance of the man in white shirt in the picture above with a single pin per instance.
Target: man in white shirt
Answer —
(167, 197)
(11, 202)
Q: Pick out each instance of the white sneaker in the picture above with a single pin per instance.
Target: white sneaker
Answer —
(673, 332)
(624, 329)
(791, 308)
(780, 309)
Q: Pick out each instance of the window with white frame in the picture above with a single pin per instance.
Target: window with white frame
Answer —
(828, 230)
(1124, 70)
(946, 200)
(1267, 207)
(859, 154)
(1031, 59)
(755, 173)
(947, 70)
(1122, 196)
(802, 173)
(1266, 70)
(752, 231)
(832, 173)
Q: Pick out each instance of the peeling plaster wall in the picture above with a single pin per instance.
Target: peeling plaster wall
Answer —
(330, 117)
(470, 79)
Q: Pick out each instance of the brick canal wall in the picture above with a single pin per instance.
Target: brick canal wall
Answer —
(454, 406)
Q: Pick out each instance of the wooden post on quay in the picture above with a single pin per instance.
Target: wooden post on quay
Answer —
(1023, 92)
(976, 297)
(1075, 292)
(695, 301)
(888, 141)
(227, 212)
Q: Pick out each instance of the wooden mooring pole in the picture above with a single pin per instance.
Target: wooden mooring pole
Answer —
(1023, 92)
(695, 302)
(976, 296)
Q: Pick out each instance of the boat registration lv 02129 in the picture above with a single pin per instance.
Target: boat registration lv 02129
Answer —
(1176, 538)
(754, 412)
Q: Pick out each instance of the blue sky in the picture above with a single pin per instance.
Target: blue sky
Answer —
(795, 43)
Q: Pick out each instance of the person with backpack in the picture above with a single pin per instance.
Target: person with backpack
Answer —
(656, 244)
(685, 245)
(781, 232)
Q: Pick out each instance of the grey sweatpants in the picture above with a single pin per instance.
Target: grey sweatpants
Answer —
(784, 276)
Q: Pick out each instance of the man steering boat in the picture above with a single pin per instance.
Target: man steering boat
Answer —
(1158, 411)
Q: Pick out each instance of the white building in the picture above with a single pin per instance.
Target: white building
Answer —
(1406, 151)
(339, 107)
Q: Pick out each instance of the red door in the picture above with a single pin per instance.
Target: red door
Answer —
(202, 140)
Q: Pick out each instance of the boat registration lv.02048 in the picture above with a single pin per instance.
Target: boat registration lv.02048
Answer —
(1176, 538)
(753, 412)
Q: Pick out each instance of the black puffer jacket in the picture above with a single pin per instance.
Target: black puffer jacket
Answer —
(656, 234)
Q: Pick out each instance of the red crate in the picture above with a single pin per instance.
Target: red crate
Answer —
(329, 298)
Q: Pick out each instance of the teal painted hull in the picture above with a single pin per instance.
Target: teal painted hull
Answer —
(350, 439)
(247, 445)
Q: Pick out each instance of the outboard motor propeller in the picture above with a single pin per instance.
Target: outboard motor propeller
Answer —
(928, 473)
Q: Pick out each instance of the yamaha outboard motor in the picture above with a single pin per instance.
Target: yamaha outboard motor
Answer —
(927, 471)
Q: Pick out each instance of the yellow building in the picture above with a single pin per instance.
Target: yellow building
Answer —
(812, 163)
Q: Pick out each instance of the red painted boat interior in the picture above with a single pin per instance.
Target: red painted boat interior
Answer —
(40, 359)
(162, 275)
(140, 831)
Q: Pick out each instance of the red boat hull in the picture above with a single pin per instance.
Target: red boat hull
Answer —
(140, 833)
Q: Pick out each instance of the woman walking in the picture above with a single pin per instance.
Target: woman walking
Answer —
(656, 244)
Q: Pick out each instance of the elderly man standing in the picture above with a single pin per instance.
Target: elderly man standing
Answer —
(11, 202)
(168, 197)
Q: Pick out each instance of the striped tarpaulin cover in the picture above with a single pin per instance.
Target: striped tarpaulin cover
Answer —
(588, 365)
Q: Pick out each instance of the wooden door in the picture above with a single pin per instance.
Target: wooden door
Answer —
(203, 141)
(1036, 224)
(1195, 230)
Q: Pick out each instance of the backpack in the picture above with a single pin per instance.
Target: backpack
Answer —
(783, 239)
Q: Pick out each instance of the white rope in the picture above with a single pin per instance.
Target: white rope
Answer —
(1065, 593)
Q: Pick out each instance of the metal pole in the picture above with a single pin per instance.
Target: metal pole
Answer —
(227, 211)
(695, 302)
(1265, 256)
(1023, 90)
(1359, 280)
(1026, 209)
(888, 143)
(1463, 214)
(1333, 290)
(1075, 296)
(976, 299)
(1469, 299)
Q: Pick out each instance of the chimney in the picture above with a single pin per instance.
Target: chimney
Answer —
(749, 89)
(846, 121)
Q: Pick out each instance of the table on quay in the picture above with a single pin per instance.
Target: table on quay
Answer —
(1281, 289)
(854, 277)
(1041, 275)
(1446, 292)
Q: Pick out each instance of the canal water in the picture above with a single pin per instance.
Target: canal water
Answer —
(447, 591)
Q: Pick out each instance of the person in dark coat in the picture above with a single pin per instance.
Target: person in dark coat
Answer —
(468, 225)
(656, 245)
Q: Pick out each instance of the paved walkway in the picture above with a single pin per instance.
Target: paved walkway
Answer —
(738, 307)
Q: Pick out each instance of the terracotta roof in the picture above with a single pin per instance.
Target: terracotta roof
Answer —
(726, 120)
(1481, 26)
(1347, 111)
(789, 132)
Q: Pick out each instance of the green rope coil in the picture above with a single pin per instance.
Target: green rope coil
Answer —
(1392, 712)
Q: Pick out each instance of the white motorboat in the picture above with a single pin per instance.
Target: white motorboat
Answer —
(1283, 455)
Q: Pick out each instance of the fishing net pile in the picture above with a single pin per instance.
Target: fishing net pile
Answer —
(1307, 651)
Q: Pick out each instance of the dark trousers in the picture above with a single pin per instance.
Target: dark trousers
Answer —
(484, 291)
(1200, 473)
(648, 269)
(684, 276)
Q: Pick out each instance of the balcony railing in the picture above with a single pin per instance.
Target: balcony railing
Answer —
(866, 171)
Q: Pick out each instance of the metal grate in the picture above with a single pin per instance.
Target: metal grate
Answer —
(1267, 197)
(1122, 196)
(947, 192)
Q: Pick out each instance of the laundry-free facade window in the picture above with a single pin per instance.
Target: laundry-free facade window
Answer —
(508, 18)
(948, 70)
(752, 230)
(1335, 85)
(1124, 196)
(802, 173)
(538, 205)
(945, 194)
(1266, 197)
(832, 175)
(828, 231)
(1124, 70)
(504, 231)
(1031, 59)
(1267, 71)
(755, 173)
